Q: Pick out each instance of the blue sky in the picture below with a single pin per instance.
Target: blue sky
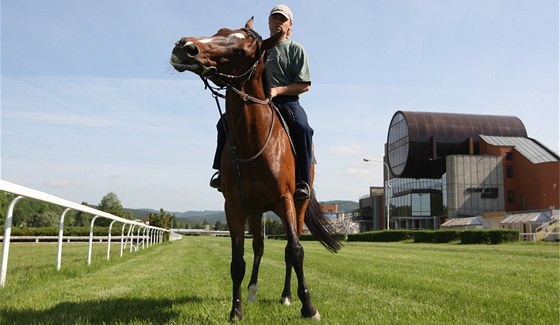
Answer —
(90, 105)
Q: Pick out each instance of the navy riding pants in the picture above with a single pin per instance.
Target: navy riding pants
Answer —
(301, 133)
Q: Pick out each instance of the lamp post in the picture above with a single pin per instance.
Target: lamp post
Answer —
(387, 187)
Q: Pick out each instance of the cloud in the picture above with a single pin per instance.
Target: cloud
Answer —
(62, 183)
(347, 150)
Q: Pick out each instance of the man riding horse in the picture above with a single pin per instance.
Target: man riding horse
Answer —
(289, 76)
(257, 170)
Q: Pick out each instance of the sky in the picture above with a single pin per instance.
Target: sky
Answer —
(90, 104)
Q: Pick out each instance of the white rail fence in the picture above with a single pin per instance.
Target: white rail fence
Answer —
(145, 235)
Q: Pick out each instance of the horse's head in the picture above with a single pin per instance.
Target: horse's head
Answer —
(228, 52)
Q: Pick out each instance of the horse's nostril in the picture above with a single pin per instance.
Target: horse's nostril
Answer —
(191, 50)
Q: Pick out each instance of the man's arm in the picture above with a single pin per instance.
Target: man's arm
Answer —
(293, 89)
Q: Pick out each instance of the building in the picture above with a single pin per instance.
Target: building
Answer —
(444, 165)
(342, 221)
(370, 215)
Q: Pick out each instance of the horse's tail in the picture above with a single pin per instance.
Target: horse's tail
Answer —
(319, 225)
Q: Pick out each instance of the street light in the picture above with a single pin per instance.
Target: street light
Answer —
(387, 194)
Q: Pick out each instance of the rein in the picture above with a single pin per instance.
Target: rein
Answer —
(227, 80)
(209, 72)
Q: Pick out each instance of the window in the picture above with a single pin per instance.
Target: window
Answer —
(509, 155)
(511, 196)
(509, 171)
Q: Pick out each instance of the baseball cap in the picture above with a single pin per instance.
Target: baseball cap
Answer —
(283, 10)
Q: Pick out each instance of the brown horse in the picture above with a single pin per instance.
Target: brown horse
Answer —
(258, 165)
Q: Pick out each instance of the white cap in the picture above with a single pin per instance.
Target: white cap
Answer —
(283, 10)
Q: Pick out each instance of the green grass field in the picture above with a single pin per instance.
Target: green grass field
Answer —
(187, 282)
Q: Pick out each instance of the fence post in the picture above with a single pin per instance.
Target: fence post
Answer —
(138, 238)
(60, 233)
(109, 239)
(122, 238)
(7, 236)
(131, 235)
(91, 239)
(144, 238)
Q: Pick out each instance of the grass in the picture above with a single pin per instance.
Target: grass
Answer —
(187, 282)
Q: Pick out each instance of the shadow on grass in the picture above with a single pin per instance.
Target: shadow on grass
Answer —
(120, 310)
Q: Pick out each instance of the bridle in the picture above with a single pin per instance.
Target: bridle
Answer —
(227, 80)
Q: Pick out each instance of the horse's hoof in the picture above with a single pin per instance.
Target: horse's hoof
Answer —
(313, 313)
(252, 294)
(317, 316)
(286, 301)
(235, 315)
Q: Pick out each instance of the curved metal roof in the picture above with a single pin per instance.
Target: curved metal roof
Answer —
(417, 141)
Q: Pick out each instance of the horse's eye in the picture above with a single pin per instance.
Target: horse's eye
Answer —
(241, 53)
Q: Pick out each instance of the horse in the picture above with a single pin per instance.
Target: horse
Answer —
(258, 163)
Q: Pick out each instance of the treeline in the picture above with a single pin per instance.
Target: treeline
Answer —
(271, 226)
(31, 213)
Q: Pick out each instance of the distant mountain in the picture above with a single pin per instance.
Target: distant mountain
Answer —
(196, 214)
(141, 213)
(190, 216)
(212, 215)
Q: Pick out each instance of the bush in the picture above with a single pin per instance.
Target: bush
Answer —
(489, 236)
(475, 237)
(446, 236)
(382, 236)
(503, 236)
(426, 236)
(68, 231)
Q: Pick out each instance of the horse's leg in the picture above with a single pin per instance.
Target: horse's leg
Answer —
(294, 253)
(255, 223)
(287, 292)
(236, 223)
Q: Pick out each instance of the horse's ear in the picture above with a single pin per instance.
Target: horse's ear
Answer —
(271, 41)
(249, 23)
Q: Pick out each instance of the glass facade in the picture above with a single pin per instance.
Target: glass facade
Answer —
(476, 185)
(417, 203)
(398, 144)
(418, 148)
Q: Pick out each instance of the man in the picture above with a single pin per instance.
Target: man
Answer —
(289, 77)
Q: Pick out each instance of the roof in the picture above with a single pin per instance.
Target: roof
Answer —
(461, 222)
(517, 218)
(531, 149)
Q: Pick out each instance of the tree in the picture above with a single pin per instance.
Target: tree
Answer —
(273, 227)
(111, 203)
(164, 219)
(219, 225)
(82, 219)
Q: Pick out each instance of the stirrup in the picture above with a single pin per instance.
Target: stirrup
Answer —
(302, 191)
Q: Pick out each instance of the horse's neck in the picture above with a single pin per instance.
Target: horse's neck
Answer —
(249, 122)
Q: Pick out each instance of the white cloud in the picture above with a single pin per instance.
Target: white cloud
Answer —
(347, 150)
(58, 183)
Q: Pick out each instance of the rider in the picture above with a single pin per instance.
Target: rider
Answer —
(289, 77)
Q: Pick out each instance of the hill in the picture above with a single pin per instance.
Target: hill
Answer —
(212, 216)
